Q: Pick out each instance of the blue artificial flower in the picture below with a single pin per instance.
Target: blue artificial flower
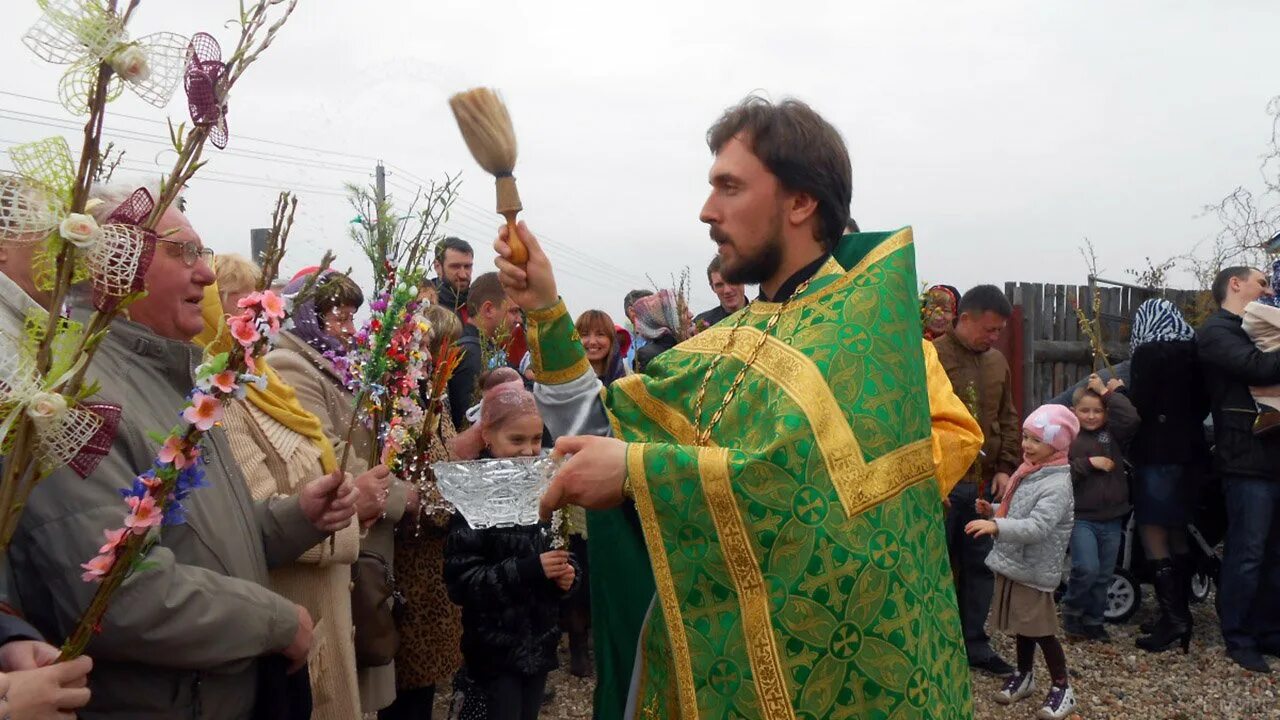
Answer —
(190, 478)
(174, 513)
(139, 488)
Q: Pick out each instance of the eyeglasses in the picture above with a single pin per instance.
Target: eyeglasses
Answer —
(191, 252)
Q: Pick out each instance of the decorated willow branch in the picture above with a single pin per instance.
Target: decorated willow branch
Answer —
(46, 203)
(155, 498)
(371, 364)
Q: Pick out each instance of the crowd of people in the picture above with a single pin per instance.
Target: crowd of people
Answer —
(737, 538)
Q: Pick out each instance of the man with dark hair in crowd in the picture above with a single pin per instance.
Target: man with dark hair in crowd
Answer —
(454, 258)
(980, 376)
(628, 309)
(1250, 469)
(732, 298)
(488, 313)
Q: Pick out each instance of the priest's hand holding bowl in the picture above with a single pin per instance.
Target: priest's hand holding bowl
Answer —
(591, 478)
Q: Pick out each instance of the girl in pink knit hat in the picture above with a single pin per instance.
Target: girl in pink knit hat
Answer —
(1032, 527)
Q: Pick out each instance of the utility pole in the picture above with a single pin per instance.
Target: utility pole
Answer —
(380, 192)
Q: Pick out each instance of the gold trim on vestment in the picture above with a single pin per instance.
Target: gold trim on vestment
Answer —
(548, 313)
(668, 418)
(895, 242)
(753, 595)
(681, 662)
(858, 484)
(534, 343)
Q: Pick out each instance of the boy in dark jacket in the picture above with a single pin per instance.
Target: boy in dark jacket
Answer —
(1108, 422)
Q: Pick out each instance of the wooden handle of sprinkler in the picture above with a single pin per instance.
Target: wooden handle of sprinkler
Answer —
(508, 207)
(519, 253)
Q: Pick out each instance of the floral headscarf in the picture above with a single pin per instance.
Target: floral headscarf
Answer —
(657, 315)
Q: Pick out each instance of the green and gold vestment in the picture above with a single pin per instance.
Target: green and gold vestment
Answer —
(799, 560)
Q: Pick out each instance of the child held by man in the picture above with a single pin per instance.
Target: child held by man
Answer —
(508, 580)
(1108, 421)
(1031, 527)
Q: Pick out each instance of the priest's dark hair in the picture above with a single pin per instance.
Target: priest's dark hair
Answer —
(984, 299)
(800, 148)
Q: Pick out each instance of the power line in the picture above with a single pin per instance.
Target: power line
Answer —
(238, 136)
(475, 213)
(47, 120)
(600, 265)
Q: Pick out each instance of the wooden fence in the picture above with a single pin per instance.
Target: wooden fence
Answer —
(1046, 348)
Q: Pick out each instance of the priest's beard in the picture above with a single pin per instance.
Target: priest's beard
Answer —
(757, 267)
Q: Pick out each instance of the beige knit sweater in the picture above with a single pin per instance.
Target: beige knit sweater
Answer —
(278, 461)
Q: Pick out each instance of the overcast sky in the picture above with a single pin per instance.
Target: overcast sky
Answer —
(1004, 132)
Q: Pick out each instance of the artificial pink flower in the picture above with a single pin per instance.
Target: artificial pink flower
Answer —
(250, 300)
(273, 304)
(225, 381)
(115, 538)
(250, 363)
(205, 411)
(144, 514)
(172, 452)
(151, 482)
(96, 568)
(244, 330)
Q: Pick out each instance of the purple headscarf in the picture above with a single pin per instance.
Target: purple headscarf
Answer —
(306, 324)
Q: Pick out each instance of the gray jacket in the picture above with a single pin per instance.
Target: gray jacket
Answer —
(1032, 543)
(181, 639)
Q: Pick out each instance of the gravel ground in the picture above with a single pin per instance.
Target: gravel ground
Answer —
(1113, 681)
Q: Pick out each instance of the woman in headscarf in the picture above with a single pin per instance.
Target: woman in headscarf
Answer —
(938, 310)
(661, 323)
(431, 628)
(308, 357)
(279, 446)
(1168, 452)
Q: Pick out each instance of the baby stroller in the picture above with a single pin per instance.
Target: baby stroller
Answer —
(1124, 597)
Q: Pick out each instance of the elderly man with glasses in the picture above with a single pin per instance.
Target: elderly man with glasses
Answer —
(184, 637)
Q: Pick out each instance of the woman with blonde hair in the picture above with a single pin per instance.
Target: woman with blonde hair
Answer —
(279, 446)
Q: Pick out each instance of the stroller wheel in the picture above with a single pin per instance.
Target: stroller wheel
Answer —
(1200, 586)
(1124, 597)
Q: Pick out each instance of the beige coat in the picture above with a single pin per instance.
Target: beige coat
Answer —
(182, 638)
(276, 462)
(321, 392)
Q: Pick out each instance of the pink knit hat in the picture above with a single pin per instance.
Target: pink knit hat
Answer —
(1054, 425)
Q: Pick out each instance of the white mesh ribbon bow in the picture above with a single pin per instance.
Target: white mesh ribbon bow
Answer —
(34, 203)
(35, 200)
(84, 34)
(66, 433)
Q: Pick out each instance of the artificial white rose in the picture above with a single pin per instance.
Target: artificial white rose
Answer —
(46, 407)
(130, 63)
(78, 229)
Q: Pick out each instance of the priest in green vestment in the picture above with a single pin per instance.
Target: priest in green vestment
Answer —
(786, 464)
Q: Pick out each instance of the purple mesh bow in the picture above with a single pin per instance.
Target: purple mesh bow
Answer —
(134, 211)
(205, 71)
(99, 445)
